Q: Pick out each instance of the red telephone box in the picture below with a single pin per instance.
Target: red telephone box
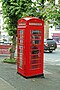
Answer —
(30, 49)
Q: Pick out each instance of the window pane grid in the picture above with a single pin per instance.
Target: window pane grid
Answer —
(35, 49)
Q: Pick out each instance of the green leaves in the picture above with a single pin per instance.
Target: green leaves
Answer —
(51, 12)
(14, 10)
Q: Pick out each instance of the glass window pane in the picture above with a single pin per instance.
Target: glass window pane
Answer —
(21, 47)
(35, 48)
(35, 51)
(21, 41)
(21, 31)
(35, 41)
(36, 32)
(21, 37)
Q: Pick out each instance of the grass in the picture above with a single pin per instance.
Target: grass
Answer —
(8, 60)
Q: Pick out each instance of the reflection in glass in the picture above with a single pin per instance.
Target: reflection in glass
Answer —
(21, 31)
(21, 58)
(35, 41)
(35, 37)
(34, 61)
(21, 63)
(21, 37)
(21, 47)
(34, 56)
(35, 66)
(35, 51)
(21, 41)
(36, 32)
(35, 48)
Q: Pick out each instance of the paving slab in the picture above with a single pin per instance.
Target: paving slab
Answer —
(5, 85)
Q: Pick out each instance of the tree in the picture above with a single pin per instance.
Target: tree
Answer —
(51, 12)
(12, 11)
(10, 19)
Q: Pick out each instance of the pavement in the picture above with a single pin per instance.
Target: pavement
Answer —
(4, 85)
(10, 80)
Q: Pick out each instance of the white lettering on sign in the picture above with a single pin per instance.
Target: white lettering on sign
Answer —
(21, 24)
(21, 27)
(35, 24)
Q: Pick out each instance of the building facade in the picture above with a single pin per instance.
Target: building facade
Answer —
(4, 37)
(54, 33)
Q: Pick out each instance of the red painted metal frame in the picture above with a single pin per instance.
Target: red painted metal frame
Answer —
(27, 26)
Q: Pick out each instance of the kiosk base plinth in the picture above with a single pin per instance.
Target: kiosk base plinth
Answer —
(39, 75)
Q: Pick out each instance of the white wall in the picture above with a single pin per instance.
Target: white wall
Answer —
(55, 34)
